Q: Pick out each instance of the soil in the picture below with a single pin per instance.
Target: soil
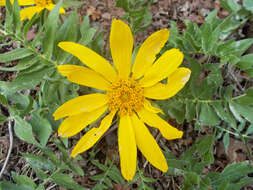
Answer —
(101, 14)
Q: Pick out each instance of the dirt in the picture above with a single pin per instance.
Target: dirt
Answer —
(101, 14)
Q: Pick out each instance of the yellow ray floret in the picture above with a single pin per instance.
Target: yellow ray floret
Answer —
(125, 93)
(36, 7)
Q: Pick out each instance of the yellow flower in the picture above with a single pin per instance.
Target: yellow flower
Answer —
(125, 92)
(39, 5)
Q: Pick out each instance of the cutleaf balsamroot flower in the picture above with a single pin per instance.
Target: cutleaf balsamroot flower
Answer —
(36, 7)
(125, 92)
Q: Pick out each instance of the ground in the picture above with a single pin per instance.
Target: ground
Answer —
(163, 11)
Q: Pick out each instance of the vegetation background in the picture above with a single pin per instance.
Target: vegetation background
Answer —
(214, 109)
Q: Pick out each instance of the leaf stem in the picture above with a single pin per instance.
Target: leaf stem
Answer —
(235, 134)
(27, 46)
(49, 178)
(195, 100)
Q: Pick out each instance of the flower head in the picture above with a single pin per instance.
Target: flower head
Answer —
(124, 92)
(36, 7)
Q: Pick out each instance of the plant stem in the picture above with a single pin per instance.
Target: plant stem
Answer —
(49, 178)
(10, 148)
(27, 46)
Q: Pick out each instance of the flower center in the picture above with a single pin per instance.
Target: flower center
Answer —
(125, 95)
(42, 3)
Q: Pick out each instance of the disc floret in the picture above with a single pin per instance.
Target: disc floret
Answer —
(125, 96)
(43, 3)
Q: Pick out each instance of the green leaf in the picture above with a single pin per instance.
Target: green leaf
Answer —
(237, 48)
(50, 30)
(249, 130)
(191, 179)
(248, 5)
(51, 155)
(68, 31)
(22, 179)
(99, 186)
(123, 4)
(174, 109)
(235, 112)
(77, 170)
(240, 184)
(29, 107)
(5, 185)
(224, 186)
(15, 54)
(98, 43)
(22, 64)
(246, 62)
(22, 102)
(234, 172)
(39, 162)
(3, 119)
(87, 33)
(71, 3)
(66, 181)
(249, 72)
(230, 5)
(41, 127)
(244, 111)
(28, 79)
(205, 37)
(115, 175)
(233, 5)
(40, 174)
(16, 17)
(212, 17)
(40, 187)
(205, 145)
(207, 115)
(226, 141)
(28, 24)
(24, 130)
(223, 113)
(3, 100)
(8, 16)
(99, 165)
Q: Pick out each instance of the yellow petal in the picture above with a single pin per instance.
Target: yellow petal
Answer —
(74, 124)
(84, 76)
(127, 148)
(148, 51)
(121, 44)
(147, 145)
(162, 68)
(20, 2)
(93, 135)
(85, 103)
(28, 12)
(51, 6)
(175, 83)
(91, 59)
(148, 106)
(164, 127)
(25, 2)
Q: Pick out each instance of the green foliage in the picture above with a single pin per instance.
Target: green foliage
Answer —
(213, 97)
(110, 174)
(206, 99)
(36, 68)
(142, 181)
(136, 13)
(192, 162)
